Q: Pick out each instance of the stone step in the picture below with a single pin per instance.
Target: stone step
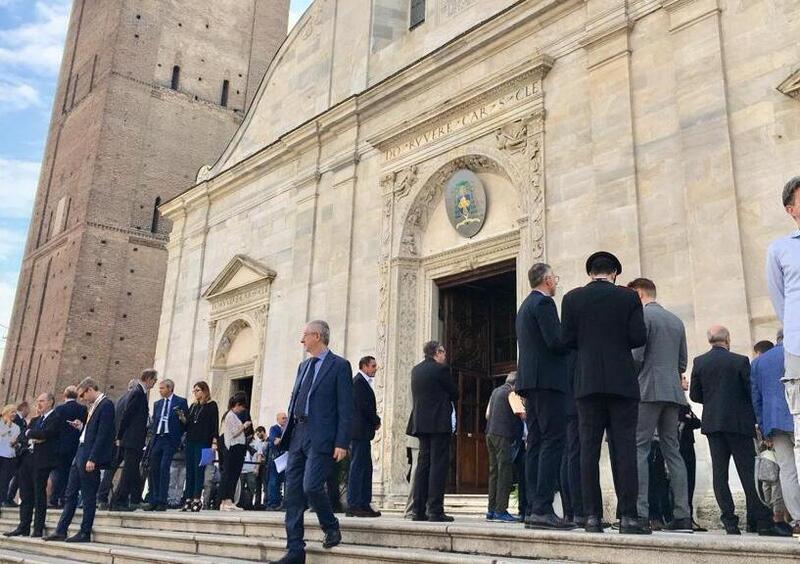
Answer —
(467, 535)
(207, 551)
(16, 557)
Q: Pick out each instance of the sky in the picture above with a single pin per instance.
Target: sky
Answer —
(31, 43)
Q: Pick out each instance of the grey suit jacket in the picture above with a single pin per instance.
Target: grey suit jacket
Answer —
(663, 359)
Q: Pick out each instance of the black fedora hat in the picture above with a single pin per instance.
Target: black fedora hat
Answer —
(605, 255)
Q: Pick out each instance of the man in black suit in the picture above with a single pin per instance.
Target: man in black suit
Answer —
(542, 381)
(95, 448)
(67, 443)
(131, 435)
(603, 322)
(721, 382)
(317, 436)
(107, 481)
(365, 422)
(432, 395)
(42, 435)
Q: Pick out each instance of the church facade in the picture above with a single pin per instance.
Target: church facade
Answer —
(405, 163)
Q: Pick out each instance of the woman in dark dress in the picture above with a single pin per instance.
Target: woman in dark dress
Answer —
(202, 429)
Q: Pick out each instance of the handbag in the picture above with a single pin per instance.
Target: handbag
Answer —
(767, 469)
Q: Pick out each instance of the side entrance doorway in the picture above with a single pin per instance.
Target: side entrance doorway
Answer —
(477, 311)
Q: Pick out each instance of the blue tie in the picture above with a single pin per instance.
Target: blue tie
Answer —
(305, 388)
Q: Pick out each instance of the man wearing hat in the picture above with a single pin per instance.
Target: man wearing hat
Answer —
(603, 322)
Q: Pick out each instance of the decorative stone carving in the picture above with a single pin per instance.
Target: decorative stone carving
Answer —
(403, 181)
(419, 211)
(203, 174)
(512, 137)
(313, 21)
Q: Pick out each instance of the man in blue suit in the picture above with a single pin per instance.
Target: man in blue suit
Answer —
(317, 436)
(168, 426)
(70, 410)
(95, 447)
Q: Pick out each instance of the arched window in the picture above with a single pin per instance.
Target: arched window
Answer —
(156, 216)
(176, 77)
(226, 85)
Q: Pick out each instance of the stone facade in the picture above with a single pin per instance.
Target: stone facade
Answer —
(122, 140)
(651, 128)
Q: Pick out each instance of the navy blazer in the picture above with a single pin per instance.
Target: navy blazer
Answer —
(132, 424)
(176, 428)
(542, 354)
(45, 453)
(68, 441)
(365, 416)
(98, 441)
(330, 405)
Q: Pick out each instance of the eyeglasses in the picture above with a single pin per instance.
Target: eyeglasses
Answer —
(556, 278)
(441, 351)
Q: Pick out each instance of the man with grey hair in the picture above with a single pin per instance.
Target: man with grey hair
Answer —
(721, 382)
(42, 434)
(168, 428)
(542, 382)
(502, 427)
(317, 436)
(783, 281)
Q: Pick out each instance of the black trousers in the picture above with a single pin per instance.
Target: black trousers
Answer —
(60, 479)
(234, 461)
(690, 459)
(107, 481)
(546, 419)
(431, 476)
(723, 446)
(571, 471)
(130, 483)
(617, 416)
(33, 493)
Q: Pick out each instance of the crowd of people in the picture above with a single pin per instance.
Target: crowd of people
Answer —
(90, 452)
(611, 368)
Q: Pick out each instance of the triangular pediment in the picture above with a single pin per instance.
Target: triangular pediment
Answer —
(241, 271)
(791, 86)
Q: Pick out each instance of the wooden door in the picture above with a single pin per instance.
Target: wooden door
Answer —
(467, 323)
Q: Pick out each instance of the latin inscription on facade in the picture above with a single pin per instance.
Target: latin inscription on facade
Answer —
(450, 8)
(461, 120)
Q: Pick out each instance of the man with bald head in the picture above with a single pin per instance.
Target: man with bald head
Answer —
(70, 410)
(721, 382)
(42, 435)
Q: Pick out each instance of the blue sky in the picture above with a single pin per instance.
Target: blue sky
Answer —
(31, 42)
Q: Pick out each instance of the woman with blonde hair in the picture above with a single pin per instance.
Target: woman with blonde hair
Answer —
(202, 426)
(9, 431)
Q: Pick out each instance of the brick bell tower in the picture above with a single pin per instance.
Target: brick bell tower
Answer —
(148, 92)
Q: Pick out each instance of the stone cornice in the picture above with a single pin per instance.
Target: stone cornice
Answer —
(791, 86)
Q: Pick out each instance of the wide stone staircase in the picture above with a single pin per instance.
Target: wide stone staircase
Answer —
(212, 537)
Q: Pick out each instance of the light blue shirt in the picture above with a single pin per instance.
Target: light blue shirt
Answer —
(321, 356)
(783, 281)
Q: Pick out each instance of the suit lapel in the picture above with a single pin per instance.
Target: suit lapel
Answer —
(323, 371)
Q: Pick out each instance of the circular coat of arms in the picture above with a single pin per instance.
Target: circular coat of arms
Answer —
(465, 200)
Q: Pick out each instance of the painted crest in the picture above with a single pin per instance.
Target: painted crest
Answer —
(465, 200)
